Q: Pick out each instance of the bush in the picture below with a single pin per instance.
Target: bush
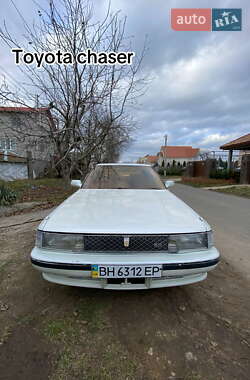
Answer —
(225, 174)
(220, 174)
(206, 182)
(7, 196)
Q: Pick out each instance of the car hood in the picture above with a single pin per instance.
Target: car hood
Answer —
(122, 211)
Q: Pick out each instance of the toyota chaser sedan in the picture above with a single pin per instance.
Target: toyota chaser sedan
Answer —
(123, 229)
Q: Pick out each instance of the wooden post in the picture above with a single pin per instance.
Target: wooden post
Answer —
(230, 159)
(29, 164)
(165, 154)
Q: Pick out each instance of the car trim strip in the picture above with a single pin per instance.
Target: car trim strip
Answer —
(87, 267)
(48, 264)
(192, 265)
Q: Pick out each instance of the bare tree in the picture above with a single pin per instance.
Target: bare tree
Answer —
(115, 142)
(89, 102)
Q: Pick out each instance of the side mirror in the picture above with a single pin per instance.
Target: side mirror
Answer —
(76, 183)
(169, 184)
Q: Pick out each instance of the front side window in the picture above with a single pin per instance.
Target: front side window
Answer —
(123, 177)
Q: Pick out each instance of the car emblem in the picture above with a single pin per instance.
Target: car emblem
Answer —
(126, 242)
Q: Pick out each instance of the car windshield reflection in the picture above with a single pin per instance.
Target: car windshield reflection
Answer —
(123, 177)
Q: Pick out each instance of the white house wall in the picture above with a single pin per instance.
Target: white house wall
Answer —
(15, 126)
(180, 160)
(11, 171)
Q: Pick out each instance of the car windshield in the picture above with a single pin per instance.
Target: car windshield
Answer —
(123, 177)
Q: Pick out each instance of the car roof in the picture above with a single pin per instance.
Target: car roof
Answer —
(121, 164)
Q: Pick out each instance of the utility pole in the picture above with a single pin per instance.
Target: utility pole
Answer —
(165, 154)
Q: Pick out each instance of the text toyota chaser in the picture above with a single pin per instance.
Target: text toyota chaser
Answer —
(124, 230)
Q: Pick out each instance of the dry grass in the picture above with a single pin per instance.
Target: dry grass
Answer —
(243, 191)
(206, 182)
(48, 191)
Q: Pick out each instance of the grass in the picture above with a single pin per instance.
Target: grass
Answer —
(26, 319)
(206, 182)
(3, 267)
(6, 267)
(60, 329)
(5, 333)
(91, 362)
(243, 191)
(193, 376)
(48, 191)
(7, 195)
(92, 313)
(89, 315)
(87, 348)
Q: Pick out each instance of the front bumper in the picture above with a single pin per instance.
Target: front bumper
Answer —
(75, 269)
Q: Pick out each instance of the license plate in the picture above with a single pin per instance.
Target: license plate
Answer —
(126, 271)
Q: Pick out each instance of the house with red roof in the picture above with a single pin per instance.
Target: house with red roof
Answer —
(151, 160)
(177, 155)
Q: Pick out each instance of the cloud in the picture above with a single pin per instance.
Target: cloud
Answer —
(199, 92)
(217, 138)
(200, 95)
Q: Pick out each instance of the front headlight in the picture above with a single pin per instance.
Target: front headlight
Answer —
(39, 239)
(60, 241)
(203, 240)
(210, 239)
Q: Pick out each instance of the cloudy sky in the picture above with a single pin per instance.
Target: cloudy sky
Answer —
(199, 90)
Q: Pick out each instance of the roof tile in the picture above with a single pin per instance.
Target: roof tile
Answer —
(23, 109)
(180, 151)
(151, 159)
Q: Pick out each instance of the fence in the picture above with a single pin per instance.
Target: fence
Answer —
(220, 154)
(200, 168)
(14, 167)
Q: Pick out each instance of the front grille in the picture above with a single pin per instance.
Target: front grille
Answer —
(125, 243)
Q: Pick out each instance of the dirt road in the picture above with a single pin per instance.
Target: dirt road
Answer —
(48, 331)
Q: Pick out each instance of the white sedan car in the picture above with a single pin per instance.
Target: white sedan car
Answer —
(124, 230)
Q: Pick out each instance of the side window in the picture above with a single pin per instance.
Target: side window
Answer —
(13, 145)
(8, 144)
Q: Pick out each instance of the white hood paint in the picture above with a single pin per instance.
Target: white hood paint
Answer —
(124, 212)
